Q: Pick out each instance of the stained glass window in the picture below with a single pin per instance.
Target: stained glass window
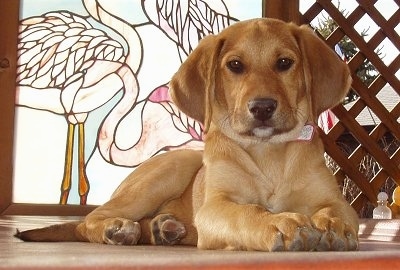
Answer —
(92, 97)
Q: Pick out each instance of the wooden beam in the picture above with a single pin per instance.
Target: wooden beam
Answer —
(286, 10)
(48, 209)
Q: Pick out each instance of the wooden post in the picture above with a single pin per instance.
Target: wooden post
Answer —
(286, 10)
(9, 11)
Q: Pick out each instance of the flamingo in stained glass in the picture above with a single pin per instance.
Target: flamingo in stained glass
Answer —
(184, 22)
(67, 67)
(70, 68)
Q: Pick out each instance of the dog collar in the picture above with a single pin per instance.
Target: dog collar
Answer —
(306, 133)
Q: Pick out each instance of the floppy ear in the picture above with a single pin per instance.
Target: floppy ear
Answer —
(327, 77)
(192, 86)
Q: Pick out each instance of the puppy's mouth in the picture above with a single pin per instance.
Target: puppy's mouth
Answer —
(263, 130)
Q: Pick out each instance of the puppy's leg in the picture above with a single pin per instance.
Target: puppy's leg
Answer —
(223, 224)
(339, 227)
(157, 181)
(174, 224)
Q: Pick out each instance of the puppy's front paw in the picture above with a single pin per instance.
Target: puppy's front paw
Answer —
(120, 231)
(294, 233)
(336, 235)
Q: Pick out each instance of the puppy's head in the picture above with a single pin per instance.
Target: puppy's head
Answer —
(260, 79)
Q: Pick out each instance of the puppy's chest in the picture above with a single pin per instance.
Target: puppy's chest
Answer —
(283, 187)
(280, 201)
(287, 194)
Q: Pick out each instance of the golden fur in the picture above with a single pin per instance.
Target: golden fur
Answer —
(254, 86)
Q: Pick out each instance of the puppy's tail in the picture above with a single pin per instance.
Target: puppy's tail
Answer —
(65, 232)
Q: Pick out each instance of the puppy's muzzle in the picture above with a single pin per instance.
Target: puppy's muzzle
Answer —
(262, 109)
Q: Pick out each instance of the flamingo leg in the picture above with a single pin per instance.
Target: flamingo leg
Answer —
(83, 180)
(66, 181)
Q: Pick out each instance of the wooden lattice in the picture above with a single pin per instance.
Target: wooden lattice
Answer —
(368, 142)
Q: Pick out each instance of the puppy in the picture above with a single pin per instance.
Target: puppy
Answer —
(261, 183)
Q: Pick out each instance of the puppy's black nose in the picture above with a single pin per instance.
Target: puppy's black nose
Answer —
(262, 108)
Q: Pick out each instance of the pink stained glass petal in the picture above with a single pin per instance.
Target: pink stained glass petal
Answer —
(194, 134)
(161, 94)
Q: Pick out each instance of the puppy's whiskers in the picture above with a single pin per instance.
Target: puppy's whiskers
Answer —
(225, 121)
(300, 114)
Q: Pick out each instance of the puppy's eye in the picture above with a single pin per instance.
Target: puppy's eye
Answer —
(235, 66)
(284, 64)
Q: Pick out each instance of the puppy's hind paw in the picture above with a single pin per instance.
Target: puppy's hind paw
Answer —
(166, 230)
(120, 231)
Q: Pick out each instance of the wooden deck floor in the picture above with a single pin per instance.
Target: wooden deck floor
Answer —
(379, 249)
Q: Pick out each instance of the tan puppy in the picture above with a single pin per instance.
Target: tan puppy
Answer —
(257, 87)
